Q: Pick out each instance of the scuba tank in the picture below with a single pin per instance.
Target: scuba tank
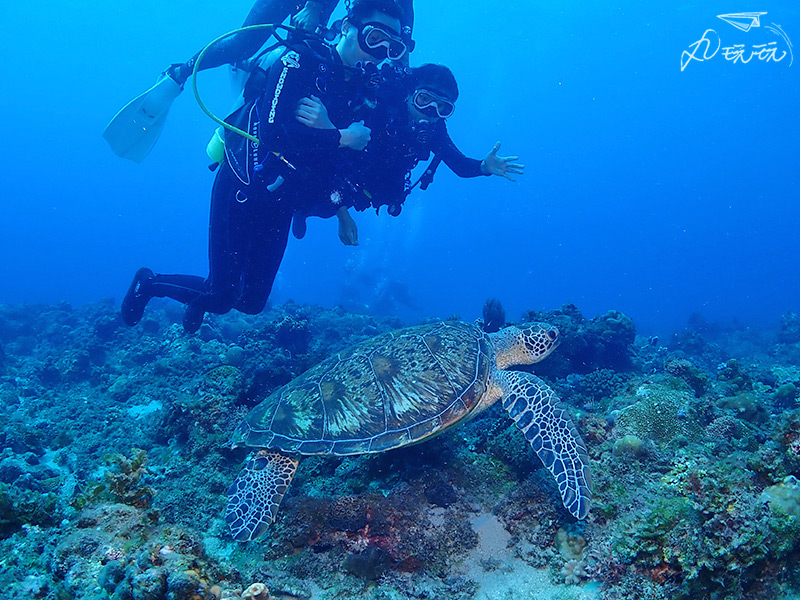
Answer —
(215, 149)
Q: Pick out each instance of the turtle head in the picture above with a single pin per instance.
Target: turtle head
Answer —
(524, 344)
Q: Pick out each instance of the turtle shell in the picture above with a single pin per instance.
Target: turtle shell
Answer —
(389, 391)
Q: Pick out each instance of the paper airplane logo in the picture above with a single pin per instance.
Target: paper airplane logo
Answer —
(743, 21)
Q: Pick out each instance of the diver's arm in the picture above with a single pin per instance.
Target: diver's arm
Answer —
(461, 165)
(348, 231)
(312, 112)
(241, 46)
(327, 8)
(314, 14)
(289, 80)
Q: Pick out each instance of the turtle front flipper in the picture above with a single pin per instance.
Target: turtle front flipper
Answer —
(254, 497)
(537, 411)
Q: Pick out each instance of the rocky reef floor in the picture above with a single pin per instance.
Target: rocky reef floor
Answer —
(114, 468)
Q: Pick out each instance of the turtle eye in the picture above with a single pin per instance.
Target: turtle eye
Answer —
(552, 334)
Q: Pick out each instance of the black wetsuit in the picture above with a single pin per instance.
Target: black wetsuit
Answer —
(382, 175)
(415, 145)
(249, 224)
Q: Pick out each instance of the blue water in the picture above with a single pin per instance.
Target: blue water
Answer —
(657, 192)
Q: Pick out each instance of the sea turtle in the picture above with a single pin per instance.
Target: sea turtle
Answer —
(401, 388)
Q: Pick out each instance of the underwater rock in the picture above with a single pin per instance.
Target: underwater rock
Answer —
(371, 564)
(122, 388)
(223, 384)
(265, 376)
(440, 493)
(111, 575)
(784, 496)
(629, 445)
(21, 507)
(348, 513)
(494, 316)
(604, 342)
(150, 585)
(598, 385)
(724, 428)
(746, 406)
(732, 373)
(234, 356)
(612, 335)
(292, 333)
(696, 379)
(186, 584)
(789, 332)
(786, 395)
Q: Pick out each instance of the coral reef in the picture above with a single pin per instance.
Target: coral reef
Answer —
(114, 467)
(603, 342)
(659, 415)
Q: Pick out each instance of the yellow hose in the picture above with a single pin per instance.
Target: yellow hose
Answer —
(202, 106)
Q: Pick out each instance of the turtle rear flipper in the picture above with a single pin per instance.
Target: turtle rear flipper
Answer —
(254, 497)
(536, 410)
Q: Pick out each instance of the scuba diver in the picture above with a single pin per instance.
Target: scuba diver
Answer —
(134, 130)
(259, 185)
(408, 127)
(416, 131)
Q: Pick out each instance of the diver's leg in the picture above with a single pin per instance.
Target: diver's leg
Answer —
(183, 288)
(137, 297)
(230, 227)
(264, 256)
(147, 285)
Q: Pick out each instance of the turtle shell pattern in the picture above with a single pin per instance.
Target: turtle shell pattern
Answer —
(389, 391)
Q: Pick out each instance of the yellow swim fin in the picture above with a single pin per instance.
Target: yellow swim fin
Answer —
(134, 130)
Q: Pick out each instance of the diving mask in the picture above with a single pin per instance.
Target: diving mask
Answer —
(427, 102)
(377, 40)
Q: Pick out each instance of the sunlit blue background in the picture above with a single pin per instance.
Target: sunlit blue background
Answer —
(650, 190)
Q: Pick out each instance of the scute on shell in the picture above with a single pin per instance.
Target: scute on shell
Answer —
(386, 392)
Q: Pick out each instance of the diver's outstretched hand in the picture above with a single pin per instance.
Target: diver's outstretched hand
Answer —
(348, 231)
(501, 165)
(312, 112)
